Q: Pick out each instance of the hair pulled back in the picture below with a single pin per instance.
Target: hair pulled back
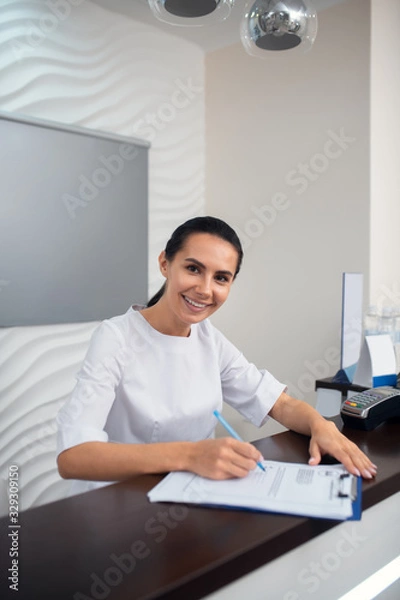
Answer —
(210, 225)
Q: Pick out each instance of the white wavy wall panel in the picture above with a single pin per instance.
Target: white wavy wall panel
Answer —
(90, 67)
(37, 373)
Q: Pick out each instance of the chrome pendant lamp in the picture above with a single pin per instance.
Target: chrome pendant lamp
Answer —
(266, 25)
(191, 13)
(278, 25)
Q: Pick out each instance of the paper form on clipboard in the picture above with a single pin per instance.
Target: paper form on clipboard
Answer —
(323, 491)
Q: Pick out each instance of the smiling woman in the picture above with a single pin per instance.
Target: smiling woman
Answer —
(199, 263)
(153, 377)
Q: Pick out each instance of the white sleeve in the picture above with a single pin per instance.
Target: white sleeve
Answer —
(251, 391)
(84, 415)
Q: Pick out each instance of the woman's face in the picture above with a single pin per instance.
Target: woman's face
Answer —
(199, 278)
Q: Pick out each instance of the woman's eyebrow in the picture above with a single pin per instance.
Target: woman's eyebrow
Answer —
(200, 264)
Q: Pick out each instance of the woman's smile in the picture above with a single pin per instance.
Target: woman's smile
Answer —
(195, 305)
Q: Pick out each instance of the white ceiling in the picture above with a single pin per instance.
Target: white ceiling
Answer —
(209, 38)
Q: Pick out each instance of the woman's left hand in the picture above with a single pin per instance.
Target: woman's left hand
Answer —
(327, 439)
(325, 436)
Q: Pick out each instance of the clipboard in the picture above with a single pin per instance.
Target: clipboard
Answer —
(321, 491)
(356, 506)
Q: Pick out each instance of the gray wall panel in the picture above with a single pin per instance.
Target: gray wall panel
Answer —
(73, 223)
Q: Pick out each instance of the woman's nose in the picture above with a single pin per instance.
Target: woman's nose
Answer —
(204, 286)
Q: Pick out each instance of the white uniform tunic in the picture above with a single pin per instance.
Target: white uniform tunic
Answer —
(138, 385)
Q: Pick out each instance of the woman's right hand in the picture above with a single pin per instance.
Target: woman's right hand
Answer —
(222, 458)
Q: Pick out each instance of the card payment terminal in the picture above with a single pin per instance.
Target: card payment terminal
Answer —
(369, 409)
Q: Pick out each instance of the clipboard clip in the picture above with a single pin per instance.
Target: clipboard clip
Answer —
(344, 490)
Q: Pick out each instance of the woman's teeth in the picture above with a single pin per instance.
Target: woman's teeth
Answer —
(193, 303)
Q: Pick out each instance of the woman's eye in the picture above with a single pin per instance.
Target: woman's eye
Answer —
(193, 268)
(222, 278)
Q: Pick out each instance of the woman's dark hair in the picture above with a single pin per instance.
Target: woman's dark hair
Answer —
(210, 225)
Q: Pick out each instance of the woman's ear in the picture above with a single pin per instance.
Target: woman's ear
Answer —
(163, 263)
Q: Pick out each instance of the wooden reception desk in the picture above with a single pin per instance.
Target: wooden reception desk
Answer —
(112, 543)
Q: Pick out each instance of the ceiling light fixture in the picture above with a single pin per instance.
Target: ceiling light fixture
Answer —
(266, 24)
(191, 13)
(276, 25)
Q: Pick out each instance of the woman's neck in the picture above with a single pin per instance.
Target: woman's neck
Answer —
(163, 321)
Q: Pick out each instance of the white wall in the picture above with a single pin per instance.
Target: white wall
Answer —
(385, 152)
(267, 120)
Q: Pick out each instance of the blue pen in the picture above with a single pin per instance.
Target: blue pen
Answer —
(232, 432)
